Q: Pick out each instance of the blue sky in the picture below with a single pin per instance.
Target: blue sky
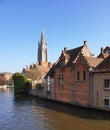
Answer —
(67, 23)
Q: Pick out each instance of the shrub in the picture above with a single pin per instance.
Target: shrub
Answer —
(21, 83)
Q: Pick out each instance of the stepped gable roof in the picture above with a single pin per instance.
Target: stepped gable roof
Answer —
(31, 66)
(93, 62)
(26, 70)
(73, 53)
(51, 72)
(105, 64)
(42, 69)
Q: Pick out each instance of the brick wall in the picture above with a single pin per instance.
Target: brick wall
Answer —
(73, 91)
(4, 77)
(64, 93)
(81, 86)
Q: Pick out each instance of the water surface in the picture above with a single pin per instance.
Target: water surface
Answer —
(31, 113)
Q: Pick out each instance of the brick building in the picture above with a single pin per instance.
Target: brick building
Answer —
(6, 79)
(83, 66)
(70, 75)
(36, 73)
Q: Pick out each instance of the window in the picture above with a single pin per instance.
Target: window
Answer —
(61, 79)
(84, 75)
(78, 75)
(107, 102)
(62, 63)
(107, 52)
(48, 83)
(107, 83)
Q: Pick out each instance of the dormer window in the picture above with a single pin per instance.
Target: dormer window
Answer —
(107, 52)
(64, 58)
(62, 62)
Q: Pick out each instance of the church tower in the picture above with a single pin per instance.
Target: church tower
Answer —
(42, 49)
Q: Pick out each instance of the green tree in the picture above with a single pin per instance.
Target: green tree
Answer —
(21, 83)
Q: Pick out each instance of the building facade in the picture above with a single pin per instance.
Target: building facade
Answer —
(100, 82)
(6, 79)
(71, 76)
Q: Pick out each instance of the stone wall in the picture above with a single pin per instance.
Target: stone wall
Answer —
(99, 93)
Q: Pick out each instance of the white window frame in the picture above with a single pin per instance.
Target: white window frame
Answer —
(61, 79)
(107, 87)
(108, 104)
(48, 83)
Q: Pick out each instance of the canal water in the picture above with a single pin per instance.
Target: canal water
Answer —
(32, 113)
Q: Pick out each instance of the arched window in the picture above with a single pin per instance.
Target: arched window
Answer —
(77, 75)
(84, 75)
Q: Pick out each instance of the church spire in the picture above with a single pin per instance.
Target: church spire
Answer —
(42, 36)
(42, 48)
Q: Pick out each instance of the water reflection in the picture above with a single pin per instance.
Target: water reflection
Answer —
(72, 110)
(31, 113)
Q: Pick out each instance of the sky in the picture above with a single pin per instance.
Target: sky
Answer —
(67, 23)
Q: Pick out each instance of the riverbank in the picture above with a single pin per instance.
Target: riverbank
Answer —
(32, 113)
(6, 86)
(87, 110)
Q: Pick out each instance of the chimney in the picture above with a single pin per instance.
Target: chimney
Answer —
(85, 43)
(50, 64)
(65, 49)
(101, 50)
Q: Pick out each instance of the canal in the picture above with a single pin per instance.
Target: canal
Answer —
(31, 113)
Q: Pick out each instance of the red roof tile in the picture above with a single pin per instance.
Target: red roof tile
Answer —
(93, 62)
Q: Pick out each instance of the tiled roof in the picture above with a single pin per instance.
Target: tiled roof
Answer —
(72, 56)
(26, 70)
(104, 52)
(105, 64)
(51, 72)
(93, 62)
(42, 69)
(73, 53)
